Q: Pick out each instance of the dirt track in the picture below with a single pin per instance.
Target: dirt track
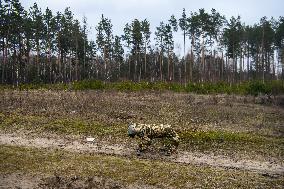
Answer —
(227, 141)
(99, 147)
(43, 182)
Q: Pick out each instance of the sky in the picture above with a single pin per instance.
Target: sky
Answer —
(124, 11)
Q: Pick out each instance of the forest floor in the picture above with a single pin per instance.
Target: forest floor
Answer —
(227, 141)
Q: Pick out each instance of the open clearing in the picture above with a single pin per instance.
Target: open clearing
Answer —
(226, 141)
(266, 168)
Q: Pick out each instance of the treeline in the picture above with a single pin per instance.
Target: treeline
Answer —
(44, 47)
(256, 88)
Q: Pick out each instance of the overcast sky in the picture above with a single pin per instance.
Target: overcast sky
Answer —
(123, 11)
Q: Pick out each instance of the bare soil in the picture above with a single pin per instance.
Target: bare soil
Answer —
(100, 147)
(62, 120)
(23, 181)
(182, 110)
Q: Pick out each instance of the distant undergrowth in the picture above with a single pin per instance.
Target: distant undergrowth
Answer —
(244, 88)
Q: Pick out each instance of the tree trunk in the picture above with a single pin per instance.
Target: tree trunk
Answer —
(185, 62)
(140, 67)
(257, 65)
(248, 64)
(119, 65)
(202, 61)
(243, 71)
(15, 66)
(76, 61)
(226, 68)
(161, 66)
(262, 55)
(234, 64)
(273, 67)
(169, 62)
(282, 64)
(37, 60)
(179, 71)
(105, 64)
(241, 67)
(222, 67)
(84, 58)
(145, 62)
(136, 62)
(209, 77)
(50, 63)
(19, 61)
(64, 68)
(214, 66)
(70, 67)
(173, 69)
(268, 73)
(129, 68)
(4, 61)
(192, 59)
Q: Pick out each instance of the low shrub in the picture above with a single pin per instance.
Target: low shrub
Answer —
(88, 85)
(245, 88)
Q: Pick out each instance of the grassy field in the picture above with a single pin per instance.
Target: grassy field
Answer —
(129, 171)
(238, 127)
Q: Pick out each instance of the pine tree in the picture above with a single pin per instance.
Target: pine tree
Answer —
(136, 35)
(16, 17)
(6, 31)
(161, 44)
(3, 28)
(104, 41)
(126, 37)
(214, 25)
(267, 47)
(37, 27)
(118, 52)
(204, 19)
(194, 35)
(146, 33)
(48, 38)
(137, 44)
(173, 22)
(169, 45)
(232, 40)
(28, 37)
(85, 41)
(184, 27)
(279, 42)
(38, 46)
(76, 40)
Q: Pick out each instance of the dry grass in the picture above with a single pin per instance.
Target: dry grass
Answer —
(230, 125)
(184, 111)
(218, 124)
(128, 171)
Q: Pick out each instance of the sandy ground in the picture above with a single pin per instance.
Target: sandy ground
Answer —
(228, 113)
(21, 181)
(101, 147)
